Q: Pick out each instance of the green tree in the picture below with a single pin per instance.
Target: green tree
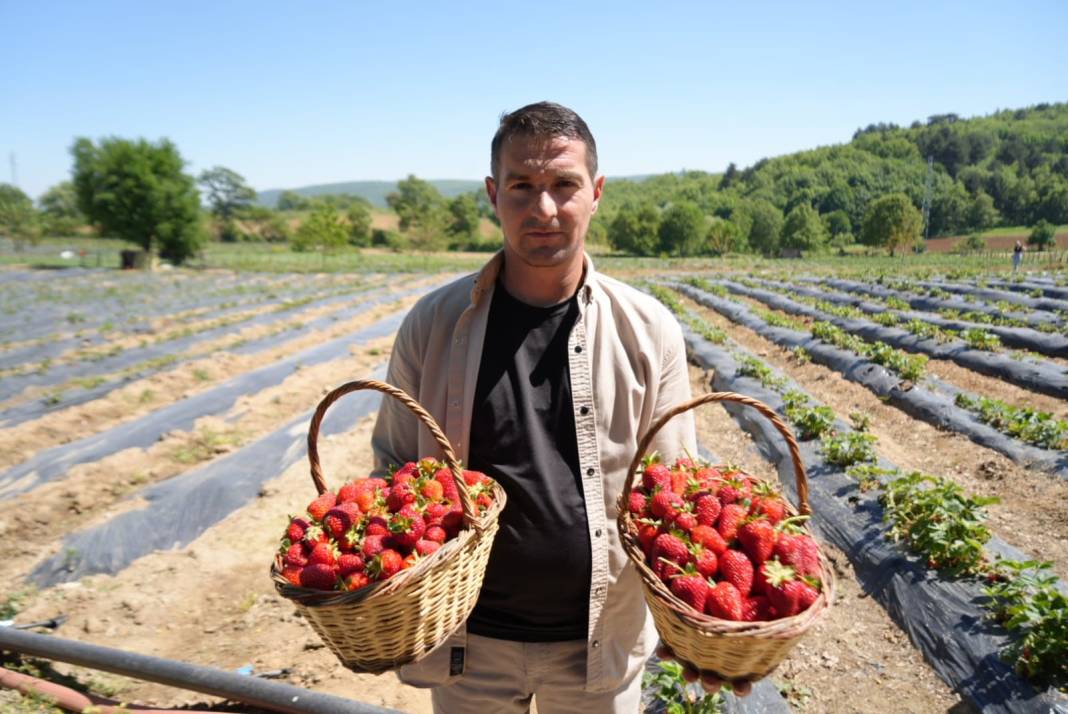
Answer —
(292, 201)
(18, 219)
(724, 237)
(59, 209)
(635, 229)
(1042, 235)
(463, 217)
(803, 229)
(682, 229)
(227, 191)
(137, 191)
(767, 227)
(323, 231)
(359, 215)
(891, 221)
(981, 213)
(420, 208)
(837, 222)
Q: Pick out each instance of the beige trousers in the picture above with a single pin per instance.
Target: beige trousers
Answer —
(501, 676)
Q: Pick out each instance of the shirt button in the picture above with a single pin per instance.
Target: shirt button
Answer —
(596, 644)
(597, 533)
(455, 404)
(578, 348)
(589, 472)
(584, 411)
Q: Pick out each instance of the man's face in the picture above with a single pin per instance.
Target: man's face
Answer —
(544, 197)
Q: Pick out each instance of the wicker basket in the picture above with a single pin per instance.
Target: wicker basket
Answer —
(730, 650)
(400, 620)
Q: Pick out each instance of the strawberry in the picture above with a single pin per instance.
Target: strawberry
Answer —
(296, 530)
(324, 554)
(707, 563)
(473, 478)
(656, 475)
(402, 476)
(734, 490)
(434, 533)
(708, 537)
(683, 463)
(435, 513)
(666, 505)
(410, 560)
(452, 520)
(318, 576)
(800, 552)
(357, 580)
(636, 503)
(348, 564)
(372, 545)
(692, 590)
(318, 508)
(426, 547)
(292, 573)
(385, 565)
(483, 501)
(756, 608)
(296, 555)
(647, 533)
(377, 525)
(758, 539)
(786, 592)
(407, 527)
(735, 568)
(767, 502)
(685, 521)
(339, 519)
(680, 481)
(706, 475)
(315, 534)
(399, 496)
(729, 521)
(669, 555)
(724, 601)
(448, 484)
(432, 490)
(707, 509)
(410, 468)
(348, 492)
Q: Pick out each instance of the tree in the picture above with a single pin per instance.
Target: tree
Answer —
(724, 237)
(292, 201)
(837, 222)
(635, 229)
(803, 229)
(18, 220)
(59, 209)
(463, 217)
(227, 191)
(682, 229)
(767, 227)
(420, 208)
(981, 213)
(359, 215)
(1042, 235)
(323, 231)
(891, 221)
(136, 191)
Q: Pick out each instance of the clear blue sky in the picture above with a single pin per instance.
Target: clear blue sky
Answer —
(290, 94)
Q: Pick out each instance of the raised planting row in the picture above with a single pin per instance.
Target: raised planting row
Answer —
(1037, 375)
(1030, 300)
(894, 312)
(892, 376)
(984, 656)
(1035, 287)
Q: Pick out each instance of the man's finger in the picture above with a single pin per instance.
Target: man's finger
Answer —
(711, 683)
(743, 688)
(664, 652)
(689, 673)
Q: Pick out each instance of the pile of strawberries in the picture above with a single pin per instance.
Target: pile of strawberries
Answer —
(721, 541)
(373, 528)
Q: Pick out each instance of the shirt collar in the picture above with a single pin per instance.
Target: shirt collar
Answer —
(486, 279)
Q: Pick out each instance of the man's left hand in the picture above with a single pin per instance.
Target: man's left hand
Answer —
(711, 682)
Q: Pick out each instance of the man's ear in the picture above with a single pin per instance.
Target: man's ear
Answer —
(598, 189)
(491, 192)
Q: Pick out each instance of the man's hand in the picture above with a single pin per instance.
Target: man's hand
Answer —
(709, 681)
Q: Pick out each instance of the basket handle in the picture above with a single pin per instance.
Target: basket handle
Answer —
(764, 409)
(424, 416)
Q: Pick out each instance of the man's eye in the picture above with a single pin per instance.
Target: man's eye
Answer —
(521, 186)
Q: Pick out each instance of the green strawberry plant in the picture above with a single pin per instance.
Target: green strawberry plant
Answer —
(849, 448)
(676, 695)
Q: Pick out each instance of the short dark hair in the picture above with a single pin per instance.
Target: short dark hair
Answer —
(545, 120)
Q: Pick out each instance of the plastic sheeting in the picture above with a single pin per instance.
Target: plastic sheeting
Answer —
(931, 402)
(1039, 376)
(944, 618)
(994, 295)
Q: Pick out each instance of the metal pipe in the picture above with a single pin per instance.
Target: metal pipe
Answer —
(73, 700)
(262, 693)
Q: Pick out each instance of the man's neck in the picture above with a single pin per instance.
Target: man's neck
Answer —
(541, 287)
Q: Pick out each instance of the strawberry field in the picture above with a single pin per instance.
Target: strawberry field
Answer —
(153, 429)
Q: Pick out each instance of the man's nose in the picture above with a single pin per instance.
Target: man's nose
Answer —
(544, 205)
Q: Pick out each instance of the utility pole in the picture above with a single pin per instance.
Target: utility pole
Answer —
(927, 199)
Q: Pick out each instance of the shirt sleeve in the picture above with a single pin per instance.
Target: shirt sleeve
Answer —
(678, 437)
(395, 439)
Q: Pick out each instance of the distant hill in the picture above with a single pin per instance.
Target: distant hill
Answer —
(373, 191)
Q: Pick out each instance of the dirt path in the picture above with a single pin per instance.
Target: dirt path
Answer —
(856, 659)
(1033, 513)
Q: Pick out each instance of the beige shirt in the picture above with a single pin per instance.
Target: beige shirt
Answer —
(627, 365)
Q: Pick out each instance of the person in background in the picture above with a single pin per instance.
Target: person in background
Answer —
(1017, 256)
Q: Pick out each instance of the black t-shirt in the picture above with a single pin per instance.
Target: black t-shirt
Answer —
(537, 582)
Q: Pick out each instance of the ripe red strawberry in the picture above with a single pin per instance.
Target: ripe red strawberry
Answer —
(324, 554)
(426, 547)
(484, 500)
(683, 463)
(636, 503)
(734, 490)
(647, 533)
(318, 576)
(296, 530)
(756, 608)
(372, 546)
(434, 533)
(448, 484)
(707, 509)
(357, 580)
(666, 505)
(730, 520)
(452, 520)
(685, 521)
(473, 478)
(410, 468)
(799, 552)
(705, 476)
(434, 513)
(407, 527)
(735, 568)
(707, 563)
(347, 493)
(377, 525)
(708, 537)
(318, 508)
(348, 564)
(292, 573)
(692, 590)
(724, 601)
(432, 490)
(296, 555)
(315, 534)
(339, 519)
(400, 495)
(785, 591)
(385, 565)
(403, 475)
(680, 481)
(768, 502)
(656, 475)
(758, 539)
(669, 555)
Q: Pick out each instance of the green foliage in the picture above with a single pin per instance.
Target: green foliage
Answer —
(934, 517)
(422, 212)
(753, 367)
(682, 229)
(979, 339)
(463, 217)
(803, 229)
(18, 220)
(702, 284)
(972, 244)
(911, 367)
(323, 232)
(1028, 603)
(669, 688)
(636, 229)
(811, 422)
(227, 191)
(1025, 423)
(724, 237)
(60, 215)
(292, 201)
(981, 212)
(136, 191)
(892, 222)
(766, 229)
(359, 219)
(849, 448)
(870, 476)
(1041, 235)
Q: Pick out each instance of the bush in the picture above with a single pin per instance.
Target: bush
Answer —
(383, 238)
(972, 244)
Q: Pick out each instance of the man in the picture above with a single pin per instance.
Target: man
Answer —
(543, 374)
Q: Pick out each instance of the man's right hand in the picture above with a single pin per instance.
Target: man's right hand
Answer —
(711, 682)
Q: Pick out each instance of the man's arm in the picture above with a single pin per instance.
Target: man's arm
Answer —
(395, 439)
(678, 437)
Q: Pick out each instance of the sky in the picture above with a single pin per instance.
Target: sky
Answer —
(292, 94)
